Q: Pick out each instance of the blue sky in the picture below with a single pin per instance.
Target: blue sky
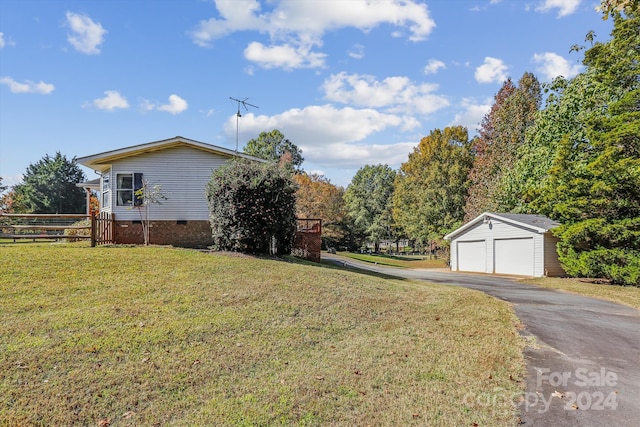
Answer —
(351, 82)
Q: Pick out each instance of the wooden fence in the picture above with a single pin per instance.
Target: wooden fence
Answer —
(99, 229)
(308, 241)
(103, 229)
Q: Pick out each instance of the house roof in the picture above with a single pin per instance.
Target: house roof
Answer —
(537, 223)
(102, 161)
(92, 183)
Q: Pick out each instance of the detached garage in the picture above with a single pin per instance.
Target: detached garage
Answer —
(502, 243)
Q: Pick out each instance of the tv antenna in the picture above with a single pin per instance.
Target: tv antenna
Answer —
(245, 104)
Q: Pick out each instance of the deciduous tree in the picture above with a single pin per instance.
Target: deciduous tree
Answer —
(317, 197)
(431, 187)
(368, 202)
(502, 134)
(274, 146)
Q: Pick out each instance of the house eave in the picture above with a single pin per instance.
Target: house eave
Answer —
(102, 161)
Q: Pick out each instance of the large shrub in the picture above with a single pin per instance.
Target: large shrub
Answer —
(597, 248)
(252, 208)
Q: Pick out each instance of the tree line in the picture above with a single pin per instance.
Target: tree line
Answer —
(568, 149)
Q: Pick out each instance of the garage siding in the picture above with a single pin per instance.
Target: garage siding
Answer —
(496, 230)
(552, 266)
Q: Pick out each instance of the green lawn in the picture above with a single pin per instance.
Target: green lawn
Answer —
(627, 295)
(402, 261)
(154, 336)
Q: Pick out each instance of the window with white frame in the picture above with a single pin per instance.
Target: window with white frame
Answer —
(124, 189)
(106, 189)
(126, 186)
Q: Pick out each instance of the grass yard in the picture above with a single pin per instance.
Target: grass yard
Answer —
(627, 295)
(146, 336)
(401, 261)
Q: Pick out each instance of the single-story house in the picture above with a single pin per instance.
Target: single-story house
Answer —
(505, 243)
(182, 167)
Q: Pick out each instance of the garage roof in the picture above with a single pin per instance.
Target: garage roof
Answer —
(537, 223)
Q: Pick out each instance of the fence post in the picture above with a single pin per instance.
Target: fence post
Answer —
(93, 231)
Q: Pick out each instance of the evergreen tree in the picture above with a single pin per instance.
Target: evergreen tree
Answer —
(49, 187)
(593, 185)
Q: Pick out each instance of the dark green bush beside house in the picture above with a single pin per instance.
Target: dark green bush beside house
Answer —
(252, 208)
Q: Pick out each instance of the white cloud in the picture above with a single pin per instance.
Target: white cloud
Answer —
(493, 70)
(296, 27)
(553, 65)
(566, 7)
(356, 52)
(175, 106)
(433, 66)
(86, 36)
(284, 56)
(11, 180)
(5, 42)
(112, 101)
(146, 105)
(472, 114)
(344, 155)
(28, 86)
(394, 94)
(328, 135)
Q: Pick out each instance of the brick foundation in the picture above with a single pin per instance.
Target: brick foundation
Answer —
(184, 234)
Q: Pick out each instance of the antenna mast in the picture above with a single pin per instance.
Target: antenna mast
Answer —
(238, 115)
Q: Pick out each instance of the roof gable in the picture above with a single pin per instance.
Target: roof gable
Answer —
(102, 160)
(536, 223)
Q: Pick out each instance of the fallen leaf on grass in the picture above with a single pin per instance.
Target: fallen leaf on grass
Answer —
(105, 422)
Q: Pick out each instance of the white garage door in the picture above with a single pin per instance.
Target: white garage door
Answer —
(472, 256)
(514, 256)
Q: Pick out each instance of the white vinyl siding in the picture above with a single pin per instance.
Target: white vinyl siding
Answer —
(552, 266)
(492, 234)
(182, 172)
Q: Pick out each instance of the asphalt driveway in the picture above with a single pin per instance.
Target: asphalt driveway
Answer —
(583, 357)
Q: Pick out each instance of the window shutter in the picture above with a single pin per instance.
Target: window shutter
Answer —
(137, 185)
